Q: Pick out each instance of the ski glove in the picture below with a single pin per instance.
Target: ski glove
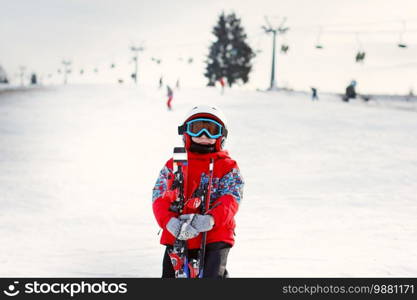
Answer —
(200, 223)
(181, 229)
(174, 226)
(187, 232)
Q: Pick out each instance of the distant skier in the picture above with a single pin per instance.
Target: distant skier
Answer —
(222, 84)
(161, 82)
(204, 133)
(170, 94)
(177, 84)
(350, 91)
(410, 94)
(314, 94)
(33, 79)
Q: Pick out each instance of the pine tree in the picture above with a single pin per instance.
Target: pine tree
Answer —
(230, 56)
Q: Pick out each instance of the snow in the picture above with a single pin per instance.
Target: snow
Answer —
(330, 186)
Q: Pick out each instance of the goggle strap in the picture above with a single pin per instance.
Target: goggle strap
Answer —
(182, 129)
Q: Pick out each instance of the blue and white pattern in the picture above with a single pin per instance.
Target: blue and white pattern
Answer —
(161, 183)
(230, 184)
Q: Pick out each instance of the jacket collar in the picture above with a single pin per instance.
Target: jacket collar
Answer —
(207, 156)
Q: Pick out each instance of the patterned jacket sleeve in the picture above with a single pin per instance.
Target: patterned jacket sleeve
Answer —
(230, 193)
(160, 203)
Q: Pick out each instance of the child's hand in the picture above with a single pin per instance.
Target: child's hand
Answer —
(187, 232)
(174, 226)
(200, 223)
(181, 229)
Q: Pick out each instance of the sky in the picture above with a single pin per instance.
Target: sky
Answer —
(94, 34)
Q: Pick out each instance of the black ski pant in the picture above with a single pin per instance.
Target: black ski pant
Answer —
(214, 262)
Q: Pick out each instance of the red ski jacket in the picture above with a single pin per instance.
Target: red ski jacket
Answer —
(226, 194)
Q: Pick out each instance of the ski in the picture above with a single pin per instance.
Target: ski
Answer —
(179, 252)
(183, 267)
(204, 209)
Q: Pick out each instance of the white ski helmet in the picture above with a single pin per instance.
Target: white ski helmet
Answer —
(205, 111)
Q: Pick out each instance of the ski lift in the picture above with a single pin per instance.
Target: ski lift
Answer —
(258, 46)
(318, 44)
(157, 60)
(360, 55)
(284, 48)
(401, 44)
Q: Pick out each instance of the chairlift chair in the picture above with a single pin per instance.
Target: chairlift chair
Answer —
(360, 56)
(401, 44)
(284, 48)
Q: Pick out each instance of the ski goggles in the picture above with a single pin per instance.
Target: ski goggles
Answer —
(199, 126)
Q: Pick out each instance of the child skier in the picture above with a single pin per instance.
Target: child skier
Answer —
(222, 84)
(170, 94)
(204, 132)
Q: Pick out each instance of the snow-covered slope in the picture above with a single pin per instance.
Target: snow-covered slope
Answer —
(330, 186)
